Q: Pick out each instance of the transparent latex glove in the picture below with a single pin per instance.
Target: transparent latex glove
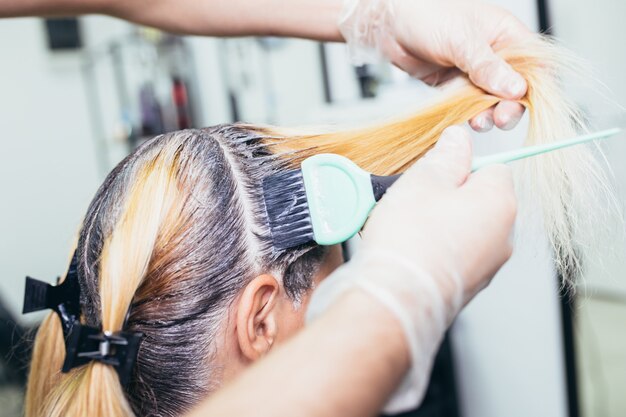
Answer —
(434, 241)
(433, 39)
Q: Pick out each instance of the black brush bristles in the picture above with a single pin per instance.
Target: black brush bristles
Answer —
(287, 209)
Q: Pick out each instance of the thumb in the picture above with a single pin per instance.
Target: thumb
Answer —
(449, 162)
(490, 72)
(493, 186)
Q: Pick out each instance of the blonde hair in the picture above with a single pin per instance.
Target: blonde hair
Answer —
(568, 185)
(179, 227)
(94, 389)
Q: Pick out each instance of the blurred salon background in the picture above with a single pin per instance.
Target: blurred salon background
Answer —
(76, 95)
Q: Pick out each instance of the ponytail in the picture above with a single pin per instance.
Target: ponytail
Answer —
(94, 389)
(45, 366)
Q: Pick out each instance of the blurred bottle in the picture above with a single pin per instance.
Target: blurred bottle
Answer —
(181, 102)
(151, 115)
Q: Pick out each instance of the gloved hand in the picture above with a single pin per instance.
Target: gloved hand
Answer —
(431, 40)
(434, 240)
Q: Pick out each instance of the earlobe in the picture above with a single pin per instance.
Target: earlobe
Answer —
(257, 323)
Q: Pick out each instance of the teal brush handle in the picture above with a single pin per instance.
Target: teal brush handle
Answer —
(339, 196)
(528, 151)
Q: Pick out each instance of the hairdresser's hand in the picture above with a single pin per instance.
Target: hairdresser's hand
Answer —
(451, 224)
(433, 40)
(435, 239)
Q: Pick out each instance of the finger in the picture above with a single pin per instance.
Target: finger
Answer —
(497, 175)
(441, 76)
(483, 122)
(413, 66)
(490, 191)
(512, 31)
(507, 114)
(493, 184)
(490, 72)
(448, 163)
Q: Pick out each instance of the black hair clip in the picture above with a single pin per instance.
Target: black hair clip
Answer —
(64, 298)
(118, 349)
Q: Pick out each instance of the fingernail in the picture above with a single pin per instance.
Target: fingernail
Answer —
(509, 122)
(484, 123)
(507, 115)
(507, 82)
(516, 87)
(499, 79)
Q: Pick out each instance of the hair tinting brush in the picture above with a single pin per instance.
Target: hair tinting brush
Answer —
(328, 200)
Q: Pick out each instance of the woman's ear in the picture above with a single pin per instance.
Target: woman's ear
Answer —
(256, 318)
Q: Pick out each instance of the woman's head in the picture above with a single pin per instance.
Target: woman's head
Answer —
(175, 246)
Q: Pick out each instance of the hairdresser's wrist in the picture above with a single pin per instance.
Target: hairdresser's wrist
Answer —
(420, 305)
(365, 311)
(434, 284)
(310, 19)
(360, 322)
(50, 8)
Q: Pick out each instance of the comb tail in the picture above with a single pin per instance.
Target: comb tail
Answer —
(528, 151)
